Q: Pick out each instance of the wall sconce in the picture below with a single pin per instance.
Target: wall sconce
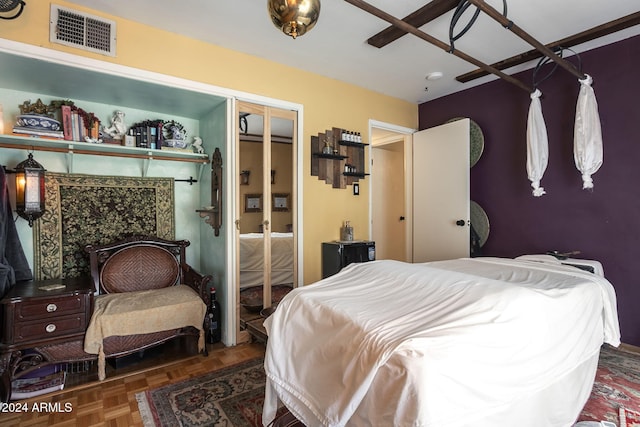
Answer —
(244, 177)
(30, 189)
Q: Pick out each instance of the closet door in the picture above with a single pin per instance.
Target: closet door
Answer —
(266, 146)
(441, 222)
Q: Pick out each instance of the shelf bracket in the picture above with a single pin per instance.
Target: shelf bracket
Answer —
(147, 164)
(70, 159)
(200, 169)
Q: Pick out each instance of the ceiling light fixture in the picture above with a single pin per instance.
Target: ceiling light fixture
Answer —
(294, 17)
(436, 75)
(8, 5)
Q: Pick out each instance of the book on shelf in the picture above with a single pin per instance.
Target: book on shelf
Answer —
(66, 122)
(36, 132)
(74, 126)
(23, 388)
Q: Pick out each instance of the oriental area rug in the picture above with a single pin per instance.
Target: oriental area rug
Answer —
(616, 392)
(230, 397)
(91, 209)
(233, 396)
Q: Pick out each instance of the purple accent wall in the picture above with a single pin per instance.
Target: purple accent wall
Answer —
(603, 224)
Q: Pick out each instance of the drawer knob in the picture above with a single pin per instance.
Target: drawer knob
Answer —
(51, 308)
(50, 327)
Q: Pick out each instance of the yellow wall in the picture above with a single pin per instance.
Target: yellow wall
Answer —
(143, 47)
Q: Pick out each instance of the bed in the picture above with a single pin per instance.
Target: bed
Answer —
(473, 341)
(252, 259)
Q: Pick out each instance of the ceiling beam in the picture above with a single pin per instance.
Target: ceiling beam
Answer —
(576, 39)
(426, 13)
(429, 39)
(515, 29)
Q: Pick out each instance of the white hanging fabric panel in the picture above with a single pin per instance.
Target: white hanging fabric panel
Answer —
(587, 135)
(537, 144)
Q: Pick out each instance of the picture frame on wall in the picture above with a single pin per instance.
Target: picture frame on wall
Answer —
(280, 202)
(253, 202)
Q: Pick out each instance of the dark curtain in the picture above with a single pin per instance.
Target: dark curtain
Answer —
(13, 262)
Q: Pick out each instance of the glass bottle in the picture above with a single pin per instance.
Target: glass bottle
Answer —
(215, 330)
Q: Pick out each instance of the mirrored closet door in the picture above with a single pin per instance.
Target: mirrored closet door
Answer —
(266, 206)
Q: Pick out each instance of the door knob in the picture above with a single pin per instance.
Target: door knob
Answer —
(460, 222)
(401, 218)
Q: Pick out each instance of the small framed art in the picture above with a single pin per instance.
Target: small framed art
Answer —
(253, 202)
(280, 202)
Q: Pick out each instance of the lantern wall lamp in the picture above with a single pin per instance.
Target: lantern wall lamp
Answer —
(30, 203)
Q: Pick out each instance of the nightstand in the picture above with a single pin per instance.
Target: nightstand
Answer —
(40, 314)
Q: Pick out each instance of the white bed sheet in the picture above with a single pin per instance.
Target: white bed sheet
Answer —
(439, 344)
(252, 259)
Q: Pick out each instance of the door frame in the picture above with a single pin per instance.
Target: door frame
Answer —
(407, 135)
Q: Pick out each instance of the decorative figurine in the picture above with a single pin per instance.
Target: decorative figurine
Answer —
(117, 129)
(197, 145)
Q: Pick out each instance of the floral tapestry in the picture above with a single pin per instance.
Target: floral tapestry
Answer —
(90, 209)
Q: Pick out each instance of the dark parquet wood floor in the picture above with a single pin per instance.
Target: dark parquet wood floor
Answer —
(112, 402)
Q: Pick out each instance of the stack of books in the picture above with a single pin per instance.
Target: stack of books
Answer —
(37, 132)
(24, 388)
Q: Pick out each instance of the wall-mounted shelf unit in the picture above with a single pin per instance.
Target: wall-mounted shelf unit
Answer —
(84, 148)
(331, 167)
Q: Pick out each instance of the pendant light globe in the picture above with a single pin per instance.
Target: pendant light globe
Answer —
(294, 17)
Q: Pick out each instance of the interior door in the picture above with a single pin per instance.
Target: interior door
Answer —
(267, 247)
(441, 222)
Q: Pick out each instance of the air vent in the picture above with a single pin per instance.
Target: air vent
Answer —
(86, 32)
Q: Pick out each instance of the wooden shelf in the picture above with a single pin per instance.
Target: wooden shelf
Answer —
(330, 156)
(72, 148)
(352, 144)
(78, 147)
(355, 174)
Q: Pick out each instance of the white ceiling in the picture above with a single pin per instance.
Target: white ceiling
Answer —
(337, 46)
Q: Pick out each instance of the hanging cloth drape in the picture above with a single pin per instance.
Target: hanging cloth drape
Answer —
(537, 144)
(13, 262)
(587, 134)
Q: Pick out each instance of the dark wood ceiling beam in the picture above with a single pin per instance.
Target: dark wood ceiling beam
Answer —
(426, 37)
(426, 13)
(576, 39)
(515, 29)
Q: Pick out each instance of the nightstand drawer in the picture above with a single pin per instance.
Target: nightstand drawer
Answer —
(49, 307)
(48, 328)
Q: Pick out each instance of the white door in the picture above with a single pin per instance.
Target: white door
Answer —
(441, 192)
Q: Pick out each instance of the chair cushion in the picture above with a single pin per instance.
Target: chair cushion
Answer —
(139, 268)
(143, 312)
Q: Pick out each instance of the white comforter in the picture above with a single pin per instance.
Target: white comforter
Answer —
(252, 259)
(436, 344)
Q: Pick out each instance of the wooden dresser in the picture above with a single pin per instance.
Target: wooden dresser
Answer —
(39, 314)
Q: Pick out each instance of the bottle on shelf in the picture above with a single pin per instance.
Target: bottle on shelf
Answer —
(214, 319)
